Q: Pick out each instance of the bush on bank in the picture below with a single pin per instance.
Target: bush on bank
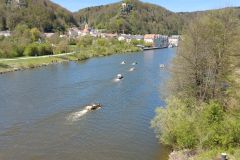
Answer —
(181, 126)
(35, 49)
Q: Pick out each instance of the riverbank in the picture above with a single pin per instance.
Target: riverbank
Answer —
(84, 48)
(215, 154)
(29, 63)
(232, 153)
(12, 65)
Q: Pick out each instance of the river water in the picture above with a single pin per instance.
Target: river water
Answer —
(42, 114)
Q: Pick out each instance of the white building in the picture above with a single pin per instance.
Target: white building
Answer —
(129, 37)
(5, 33)
(158, 41)
(174, 40)
(74, 32)
(48, 35)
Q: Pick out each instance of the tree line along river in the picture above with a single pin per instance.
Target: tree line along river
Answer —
(39, 109)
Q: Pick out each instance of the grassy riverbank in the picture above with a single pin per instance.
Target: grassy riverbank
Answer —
(22, 64)
(85, 48)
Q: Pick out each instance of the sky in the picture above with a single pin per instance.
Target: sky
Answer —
(173, 5)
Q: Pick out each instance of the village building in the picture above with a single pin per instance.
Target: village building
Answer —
(5, 33)
(174, 40)
(128, 37)
(139, 37)
(74, 32)
(48, 35)
(151, 38)
(122, 37)
(158, 41)
(109, 35)
(85, 31)
(164, 41)
(62, 36)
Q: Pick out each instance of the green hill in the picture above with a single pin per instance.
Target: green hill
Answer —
(137, 18)
(43, 14)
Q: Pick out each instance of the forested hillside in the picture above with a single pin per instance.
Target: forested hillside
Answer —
(138, 18)
(43, 14)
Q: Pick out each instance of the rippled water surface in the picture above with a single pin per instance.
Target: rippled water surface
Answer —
(42, 114)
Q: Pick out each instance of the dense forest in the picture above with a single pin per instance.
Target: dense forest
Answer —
(136, 18)
(42, 14)
(139, 18)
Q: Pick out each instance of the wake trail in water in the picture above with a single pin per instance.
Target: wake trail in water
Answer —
(73, 117)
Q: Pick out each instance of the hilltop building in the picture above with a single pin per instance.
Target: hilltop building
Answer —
(124, 5)
(16, 3)
(126, 8)
(74, 32)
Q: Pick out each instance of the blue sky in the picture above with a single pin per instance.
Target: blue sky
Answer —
(173, 5)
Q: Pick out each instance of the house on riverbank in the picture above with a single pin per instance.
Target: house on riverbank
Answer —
(157, 41)
(128, 37)
(174, 40)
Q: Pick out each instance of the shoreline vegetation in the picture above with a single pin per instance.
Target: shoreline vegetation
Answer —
(201, 117)
(29, 50)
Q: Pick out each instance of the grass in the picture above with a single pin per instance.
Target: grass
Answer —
(86, 48)
(8, 66)
(83, 54)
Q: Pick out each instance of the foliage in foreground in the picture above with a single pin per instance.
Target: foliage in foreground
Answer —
(182, 126)
(203, 111)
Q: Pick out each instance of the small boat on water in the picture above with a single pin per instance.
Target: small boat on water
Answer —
(93, 106)
(131, 69)
(162, 65)
(119, 77)
(123, 62)
(134, 63)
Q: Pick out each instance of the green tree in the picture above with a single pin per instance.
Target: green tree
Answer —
(35, 34)
(199, 113)
(204, 59)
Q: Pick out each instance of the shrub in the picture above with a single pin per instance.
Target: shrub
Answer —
(72, 41)
(31, 50)
(35, 49)
(45, 49)
(85, 41)
(181, 125)
(174, 126)
(62, 47)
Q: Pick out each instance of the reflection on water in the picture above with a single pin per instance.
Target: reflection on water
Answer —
(42, 114)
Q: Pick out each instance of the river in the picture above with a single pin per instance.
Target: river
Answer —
(42, 118)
